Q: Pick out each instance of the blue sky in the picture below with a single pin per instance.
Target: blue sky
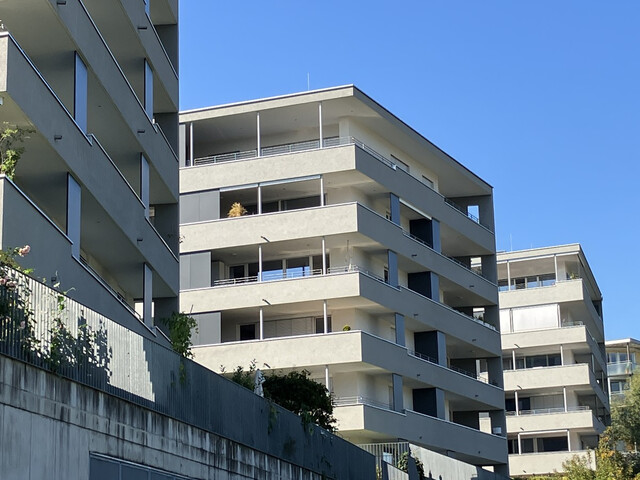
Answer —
(540, 98)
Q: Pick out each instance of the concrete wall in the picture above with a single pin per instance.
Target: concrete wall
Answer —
(49, 426)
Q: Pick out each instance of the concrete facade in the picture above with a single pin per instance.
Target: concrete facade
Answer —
(95, 193)
(99, 436)
(351, 257)
(555, 372)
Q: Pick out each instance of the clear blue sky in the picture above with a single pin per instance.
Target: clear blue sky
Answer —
(541, 98)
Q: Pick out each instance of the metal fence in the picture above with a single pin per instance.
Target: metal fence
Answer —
(389, 452)
(45, 328)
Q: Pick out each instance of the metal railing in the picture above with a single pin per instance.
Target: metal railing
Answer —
(45, 328)
(461, 209)
(389, 452)
(293, 274)
(360, 400)
(433, 360)
(315, 145)
(547, 411)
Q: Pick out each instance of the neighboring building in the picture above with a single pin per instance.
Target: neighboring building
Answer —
(352, 260)
(553, 351)
(96, 191)
(622, 358)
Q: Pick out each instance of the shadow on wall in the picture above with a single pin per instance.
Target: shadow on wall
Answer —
(42, 326)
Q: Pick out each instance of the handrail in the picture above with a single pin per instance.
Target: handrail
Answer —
(111, 290)
(477, 320)
(359, 400)
(452, 259)
(126, 80)
(546, 411)
(284, 275)
(434, 361)
(461, 209)
(326, 143)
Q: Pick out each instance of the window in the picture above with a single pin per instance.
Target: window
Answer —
(320, 324)
(236, 271)
(503, 286)
(248, 332)
(428, 182)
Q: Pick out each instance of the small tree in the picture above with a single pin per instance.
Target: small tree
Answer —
(180, 327)
(301, 395)
(11, 148)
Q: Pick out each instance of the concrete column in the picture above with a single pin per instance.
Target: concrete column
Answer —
(435, 235)
(398, 403)
(394, 208)
(513, 356)
(561, 355)
(564, 398)
(148, 89)
(324, 257)
(515, 394)
(498, 422)
(434, 294)
(261, 323)
(259, 263)
(144, 184)
(320, 122)
(432, 344)
(80, 94)
(147, 295)
(555, 266)
(568, 440)
(74, 213)
(326, 378)
(191, 143)
(321, 191)
(259, 199)
(258, 147)
(182, 142)
(399, 324)
(519, 445)
(494, 370)
(392, 262)
(326, 319)
(508, 276)
(489, 268)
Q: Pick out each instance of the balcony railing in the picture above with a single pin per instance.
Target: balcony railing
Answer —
(547, 411)
(297, 273)
(433, 360)
(389, 452)
(315, 145)
(473, 270)
(360, 400)
(621, 368)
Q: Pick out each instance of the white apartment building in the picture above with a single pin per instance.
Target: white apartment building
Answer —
(95, 194)
(622, 362)
(351, 259)
(555, 376)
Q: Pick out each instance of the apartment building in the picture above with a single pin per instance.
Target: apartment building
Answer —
(622, 362)
(95, 194)
(555, 372)
(320, 232)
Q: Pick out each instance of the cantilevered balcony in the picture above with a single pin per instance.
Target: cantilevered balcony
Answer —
(336, 161)
(355, 351)
(359, 417)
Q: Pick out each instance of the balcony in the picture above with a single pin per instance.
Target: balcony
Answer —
(546, 462)
(112, 209)
(353, 351)
(226, 175)
(540, 378)
(577, 417)
(361, 419)
(623, 369)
